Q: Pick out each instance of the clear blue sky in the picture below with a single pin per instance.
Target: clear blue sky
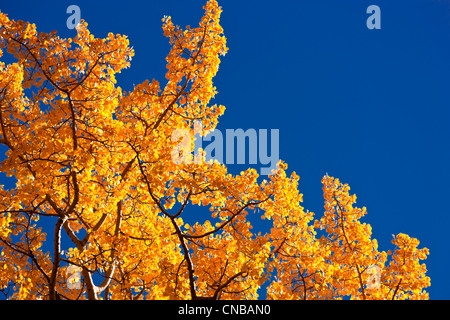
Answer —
(371, 107)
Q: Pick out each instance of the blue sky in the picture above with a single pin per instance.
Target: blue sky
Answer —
(370, 107)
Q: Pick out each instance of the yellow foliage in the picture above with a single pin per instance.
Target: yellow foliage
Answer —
(95, 162)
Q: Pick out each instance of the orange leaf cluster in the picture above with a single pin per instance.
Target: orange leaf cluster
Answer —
(93, 163)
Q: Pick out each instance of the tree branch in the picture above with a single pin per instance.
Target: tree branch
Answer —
(53, 295)
(396, 289)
